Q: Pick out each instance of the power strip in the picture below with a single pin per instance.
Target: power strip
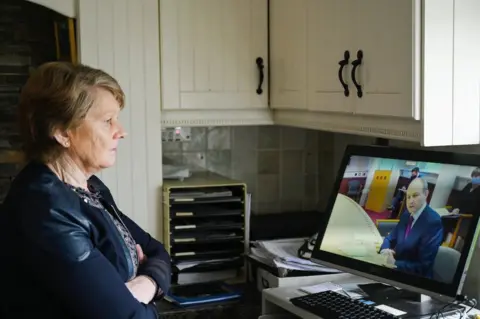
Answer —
(176, 134)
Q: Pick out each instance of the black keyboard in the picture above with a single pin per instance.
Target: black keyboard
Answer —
(333, 305)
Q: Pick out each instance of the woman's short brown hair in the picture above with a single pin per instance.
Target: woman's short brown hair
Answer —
(58, 95)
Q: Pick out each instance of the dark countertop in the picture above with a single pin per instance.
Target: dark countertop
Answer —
(249, 306)
(262, 227)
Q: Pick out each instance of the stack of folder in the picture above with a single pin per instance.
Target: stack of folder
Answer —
(205, 229)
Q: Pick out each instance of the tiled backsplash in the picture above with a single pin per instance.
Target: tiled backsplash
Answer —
(284, 168)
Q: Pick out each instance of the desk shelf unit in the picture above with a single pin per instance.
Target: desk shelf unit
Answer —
(204, 227)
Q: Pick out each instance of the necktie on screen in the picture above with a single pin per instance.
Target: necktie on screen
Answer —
(409, 226)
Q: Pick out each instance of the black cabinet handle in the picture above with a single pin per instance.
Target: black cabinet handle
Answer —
(355, 64)
(260, 67)
(342, 63)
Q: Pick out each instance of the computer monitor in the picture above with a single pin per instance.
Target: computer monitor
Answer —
(432, 199)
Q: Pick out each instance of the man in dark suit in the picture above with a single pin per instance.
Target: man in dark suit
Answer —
(413, 244)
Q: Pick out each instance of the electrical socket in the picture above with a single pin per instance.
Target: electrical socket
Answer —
(176, 134)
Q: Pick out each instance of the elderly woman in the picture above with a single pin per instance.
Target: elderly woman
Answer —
(68, 251)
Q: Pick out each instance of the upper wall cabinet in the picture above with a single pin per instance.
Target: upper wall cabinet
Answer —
(288, 54)
(394, 69)
(343, 56)
(214, 55)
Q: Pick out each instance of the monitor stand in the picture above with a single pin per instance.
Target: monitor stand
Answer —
(414, 304)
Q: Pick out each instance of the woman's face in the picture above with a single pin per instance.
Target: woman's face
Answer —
(94, 143)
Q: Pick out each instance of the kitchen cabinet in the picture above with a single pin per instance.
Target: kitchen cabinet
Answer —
(410, 66)
(288, 54)
(392, 69)
(385, 37)
(326, 39)
(329, 35)
(214, 56)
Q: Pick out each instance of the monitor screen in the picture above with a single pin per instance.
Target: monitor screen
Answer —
(405, 216)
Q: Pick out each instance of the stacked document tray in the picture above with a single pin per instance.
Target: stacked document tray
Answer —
(204, 227)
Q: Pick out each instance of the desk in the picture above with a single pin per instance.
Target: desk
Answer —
(275, 301)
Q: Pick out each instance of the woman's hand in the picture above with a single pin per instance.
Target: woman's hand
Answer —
(142, 288)
(141, 256)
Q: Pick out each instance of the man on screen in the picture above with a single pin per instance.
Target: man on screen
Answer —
(413, 244)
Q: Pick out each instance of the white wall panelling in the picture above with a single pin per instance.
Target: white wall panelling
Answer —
(122, 38)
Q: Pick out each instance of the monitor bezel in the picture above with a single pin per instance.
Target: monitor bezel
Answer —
(435, 289)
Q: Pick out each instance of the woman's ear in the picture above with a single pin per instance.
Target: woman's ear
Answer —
(62, 138)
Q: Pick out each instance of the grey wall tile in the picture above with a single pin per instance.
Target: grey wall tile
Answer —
(311, 187)
(311, 162)
(268, 188)
(291, 205)
(268, 207)
(275, 162)
(196, 161)
(244, 138)
(218, 138)
(269, 137)
(293, 138)
(173, 158)
(220, 162)
(198, 140)
(169, 147)
(268, 162)
(244, 162)
(293, 187)
(293, 162)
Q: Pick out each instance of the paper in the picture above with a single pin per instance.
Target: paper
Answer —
(189, 264)
(391, 310)
(443, 211)
(326, 286)
(283, 254)
(351, 232)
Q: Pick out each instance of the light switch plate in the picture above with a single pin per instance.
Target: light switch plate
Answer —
(176, 134)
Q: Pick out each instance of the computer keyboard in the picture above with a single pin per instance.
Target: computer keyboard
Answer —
(330, 304)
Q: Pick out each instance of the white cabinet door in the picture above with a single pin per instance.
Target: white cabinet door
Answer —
(330, 34)
(288, 54)
(466, 75)
(213, 53)
(386, 45)
(451, 73)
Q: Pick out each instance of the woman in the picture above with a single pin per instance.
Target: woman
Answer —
(68, 250)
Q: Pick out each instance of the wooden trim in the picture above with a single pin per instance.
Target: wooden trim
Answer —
(454, 238)
(375, 126)
(57, 39)
(11, 157)
(72, 41)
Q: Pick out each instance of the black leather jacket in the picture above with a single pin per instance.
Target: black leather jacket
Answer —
(63, 258)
